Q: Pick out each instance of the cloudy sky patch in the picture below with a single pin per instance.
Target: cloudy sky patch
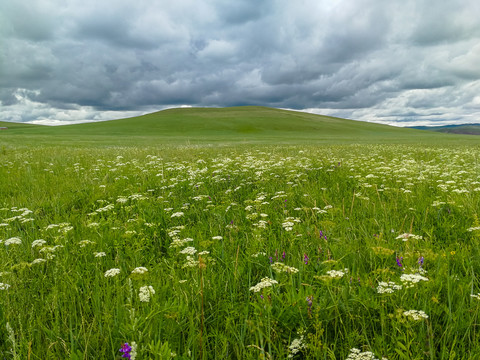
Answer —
(401, 62)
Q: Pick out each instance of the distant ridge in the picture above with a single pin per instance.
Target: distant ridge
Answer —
(466, 129)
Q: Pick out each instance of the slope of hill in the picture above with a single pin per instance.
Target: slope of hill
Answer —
(249, 124)
(467, 129)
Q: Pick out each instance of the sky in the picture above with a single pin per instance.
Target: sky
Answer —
(396, 62)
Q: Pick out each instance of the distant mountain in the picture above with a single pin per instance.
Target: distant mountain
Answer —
(467, 129)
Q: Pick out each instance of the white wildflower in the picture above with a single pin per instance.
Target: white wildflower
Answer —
(13, 241)
(415, 314)
(105, 208)
(261, 253)
(356, 354)
(410, 279)
(190, 262)
(99, 254)
(177, 214)
(387, 287)
(217, 238)
(38, 243)
(179, 243)
(140, 270)
(133, 352)
(281, 267)
(295, 347)
(406, 236)
(4, 286)
(38, 261)
(190, 250)
(112, 272)
(288, 225)
(84, 243)
(262, 224)
(336, 274)
(264, 283)
(145, 293)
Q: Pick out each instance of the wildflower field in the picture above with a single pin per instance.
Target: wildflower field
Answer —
(240, 252)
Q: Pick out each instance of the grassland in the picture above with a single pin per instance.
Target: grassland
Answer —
(327, 239)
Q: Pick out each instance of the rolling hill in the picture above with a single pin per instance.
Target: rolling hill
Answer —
(249, 124)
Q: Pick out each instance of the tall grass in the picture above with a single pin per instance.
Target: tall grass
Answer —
(251, 252)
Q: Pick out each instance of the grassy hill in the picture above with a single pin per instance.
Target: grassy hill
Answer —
(249, 124)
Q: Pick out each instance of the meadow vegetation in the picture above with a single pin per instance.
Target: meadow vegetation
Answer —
(330, 251)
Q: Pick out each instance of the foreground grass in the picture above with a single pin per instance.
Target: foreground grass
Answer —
(240, 252)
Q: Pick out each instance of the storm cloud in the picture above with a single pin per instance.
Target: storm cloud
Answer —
(397, 62)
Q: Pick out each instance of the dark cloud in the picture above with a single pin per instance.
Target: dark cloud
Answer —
(377, 61)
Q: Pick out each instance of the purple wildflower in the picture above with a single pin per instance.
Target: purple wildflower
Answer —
(305, 259)
(126, 351)
(399, 261)
(283, 256)
(271, 260)
(310, 303)
(420, 261)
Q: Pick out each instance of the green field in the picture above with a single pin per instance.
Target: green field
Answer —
(240, 233)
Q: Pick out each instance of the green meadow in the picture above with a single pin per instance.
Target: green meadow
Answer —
(238, 233)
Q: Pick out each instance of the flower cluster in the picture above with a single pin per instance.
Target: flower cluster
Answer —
(112, 272)
(13, 241)
(337, 274)
(281, 267)
(407, 236)
(264, 283)
(296, 347)
(190, 250)
(145, 292)
(476, 296)
(357, 354)
(415, 315)
(387, 287)
(410, 279)
(140, 270)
